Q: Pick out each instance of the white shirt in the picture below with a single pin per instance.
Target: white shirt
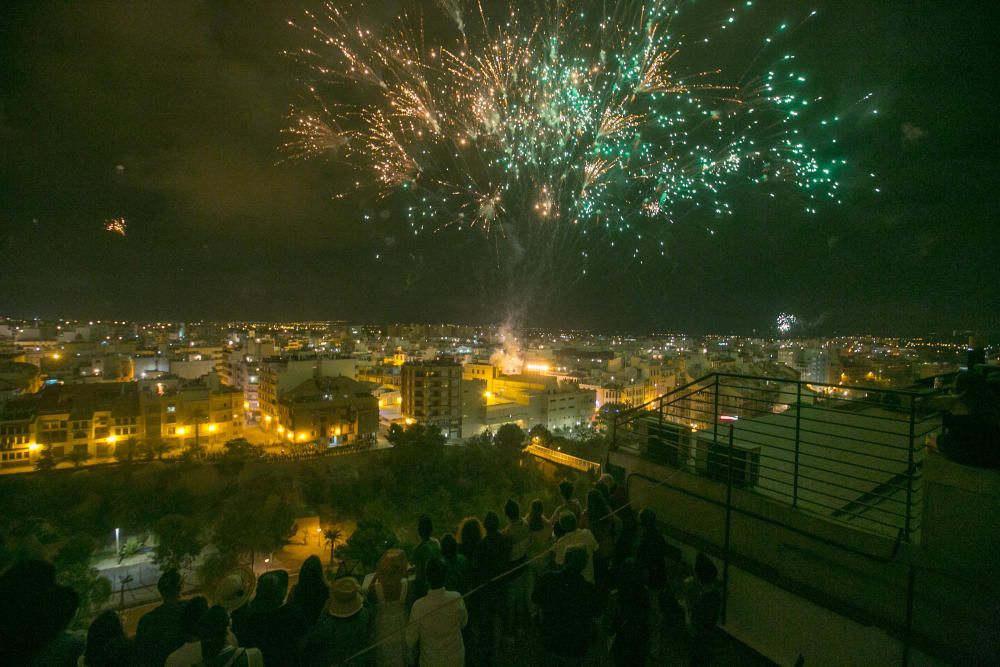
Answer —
(581, 537)
(190, 653)
(436, 621)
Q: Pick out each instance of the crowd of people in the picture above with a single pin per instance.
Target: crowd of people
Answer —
(597, 569)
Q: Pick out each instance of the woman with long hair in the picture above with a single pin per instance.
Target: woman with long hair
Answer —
(311, 593)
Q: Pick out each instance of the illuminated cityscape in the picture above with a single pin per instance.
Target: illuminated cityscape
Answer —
(485, 332)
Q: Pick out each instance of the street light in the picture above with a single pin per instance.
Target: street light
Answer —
(118, 546)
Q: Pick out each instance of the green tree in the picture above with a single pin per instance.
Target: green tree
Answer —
(240, 448)
(367, 543)
(159, 448)
(426, 435)
(250, 524)
(128, 451)
(72, 563)
(509, 437)
(607, 413)
(78, 457)
(46, 460)
(180, 541)
(540, 435)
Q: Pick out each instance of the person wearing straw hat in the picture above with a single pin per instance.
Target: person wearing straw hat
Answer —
(343, 634)
(233, 593)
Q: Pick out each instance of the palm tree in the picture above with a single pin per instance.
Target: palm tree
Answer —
(332, 536)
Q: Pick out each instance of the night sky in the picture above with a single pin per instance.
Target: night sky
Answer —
(189, 99)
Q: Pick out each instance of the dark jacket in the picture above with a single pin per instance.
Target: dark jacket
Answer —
(569, 604)
(159, 633)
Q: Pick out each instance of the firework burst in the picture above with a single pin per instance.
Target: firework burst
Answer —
(116, 226)
(554, 117)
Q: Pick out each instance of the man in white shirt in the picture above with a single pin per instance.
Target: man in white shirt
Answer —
(575, 537)
(436, 622)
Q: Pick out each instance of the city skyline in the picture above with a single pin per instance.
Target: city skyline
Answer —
(171, 122)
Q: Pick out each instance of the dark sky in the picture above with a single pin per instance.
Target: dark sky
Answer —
(189, 98)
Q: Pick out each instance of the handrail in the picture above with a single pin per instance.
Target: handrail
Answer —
(853, 461)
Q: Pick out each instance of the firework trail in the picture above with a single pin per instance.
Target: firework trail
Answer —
(558, 126)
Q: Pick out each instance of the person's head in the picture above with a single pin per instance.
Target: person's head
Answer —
(512, 510)
(576, 560)
(705, 569)
(436, 572)
(566, 490)
(194, 609)
(272, 587)
(424, 527)
(608, 482)
(557, 531)
(647, 518)
(392, 566)
(212, 631)
(491, 522)
(449, 547)
(311, 574)
(169, 585)
(101, 632)
(34, 609)
(536, 518)
(597, 506)
(470, 531)
(567, 522)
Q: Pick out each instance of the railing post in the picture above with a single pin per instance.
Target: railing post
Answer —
(715, 414)
(909, 466)
(798, 421)
(729, 514)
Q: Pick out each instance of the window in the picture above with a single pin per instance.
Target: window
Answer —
(171, 408)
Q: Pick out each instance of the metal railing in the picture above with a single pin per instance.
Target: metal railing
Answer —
(847, 453)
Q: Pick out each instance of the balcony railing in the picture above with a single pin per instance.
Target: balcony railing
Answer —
(847, 453)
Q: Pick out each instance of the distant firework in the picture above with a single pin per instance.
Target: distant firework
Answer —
(116, 226)
(556, 117)
(785, 322)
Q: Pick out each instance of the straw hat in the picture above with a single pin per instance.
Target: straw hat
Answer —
(234, 589)
(345, 598)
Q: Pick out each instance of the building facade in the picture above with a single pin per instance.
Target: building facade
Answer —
(432, 394)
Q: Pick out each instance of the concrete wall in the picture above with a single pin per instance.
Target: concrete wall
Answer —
(845, 587)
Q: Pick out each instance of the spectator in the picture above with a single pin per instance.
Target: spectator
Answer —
(570, 504)
(470, 532)
(488, 563)
(569, 605)
(428, 549)
(190, 651)
(273, 626)
(702, 603)
(34, 614)
(630, 623)
(436, 622)
(651, 558)
(539, 528)
(605, 527)
(626, 543)
(216, 651)
(518, 582)
(575, 537)
(311, 593)
(614, 493)
(342, 634)
(389, 591)
(456, 565)
(105, 637)
(159, 632)
(233, 594)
